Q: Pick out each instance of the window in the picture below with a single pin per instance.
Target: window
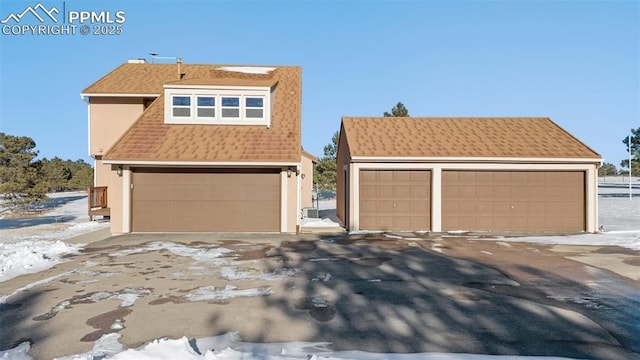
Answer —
(230, 107)
(254, 107)
(181, 106)
(206, 107)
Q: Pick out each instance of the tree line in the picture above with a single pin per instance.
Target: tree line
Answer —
(24, 179)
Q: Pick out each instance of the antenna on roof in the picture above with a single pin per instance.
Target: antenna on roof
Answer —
(154, 56)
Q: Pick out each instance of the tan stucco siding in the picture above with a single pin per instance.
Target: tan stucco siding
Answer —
(115, 200)
(306, 180)
(109, 118)
(342, 159)
(101, 173)
(292, 203)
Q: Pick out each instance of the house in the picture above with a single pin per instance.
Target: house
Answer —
(467, 174)
(199, 148)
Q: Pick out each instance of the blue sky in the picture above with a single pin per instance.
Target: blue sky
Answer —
(574, 61)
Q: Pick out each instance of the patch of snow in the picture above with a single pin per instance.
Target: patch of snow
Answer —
(316, 222)
(390, 236)
(20, 352)
(108, 345)
(65, 216)
(229, 346)
(627, 239)
(365, 232)
(31, 256)
(233, 273)
(117, 325)
(128, 296)
(211, 293)
(204, 254)
(247, 69)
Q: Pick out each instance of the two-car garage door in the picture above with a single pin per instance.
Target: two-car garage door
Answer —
(516, 201)
(205, 200)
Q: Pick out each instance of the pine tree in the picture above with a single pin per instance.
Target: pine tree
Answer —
(20, 175)
(398, 111)
(635, 153)
(325, 174)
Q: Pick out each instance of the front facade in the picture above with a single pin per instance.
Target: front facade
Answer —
(465, 174)
(199, 148)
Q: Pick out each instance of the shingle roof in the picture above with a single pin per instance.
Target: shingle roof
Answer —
(150, 139)
(462, 137)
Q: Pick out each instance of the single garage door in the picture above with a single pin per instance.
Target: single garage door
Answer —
(528, 201)
(395, 200)
(202, 201)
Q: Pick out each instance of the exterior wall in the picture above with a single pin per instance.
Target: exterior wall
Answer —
(306, 180)
(292, 204)
(109, 118)
(101, 174)
(353, 196)
(115, 201)
(342, 171)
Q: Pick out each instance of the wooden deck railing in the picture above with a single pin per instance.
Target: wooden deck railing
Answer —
(98, 204)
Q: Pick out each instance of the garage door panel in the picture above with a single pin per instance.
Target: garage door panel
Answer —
(514, 200)
(395, 199)
(205, 200)
(421, 192)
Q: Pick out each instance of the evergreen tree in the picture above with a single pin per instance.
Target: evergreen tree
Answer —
(398, 111)
(607, 169)
(325, 174)
(635, 153)
(20, 175)
(57, 174)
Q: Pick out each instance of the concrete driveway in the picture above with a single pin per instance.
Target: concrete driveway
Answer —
(382, 293)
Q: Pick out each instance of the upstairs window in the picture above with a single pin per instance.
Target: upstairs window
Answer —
(254, 107)
(206, 107)
(217, 106)
(230, 107)
(181, 106)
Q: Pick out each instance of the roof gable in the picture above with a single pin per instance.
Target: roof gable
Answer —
(461, 137)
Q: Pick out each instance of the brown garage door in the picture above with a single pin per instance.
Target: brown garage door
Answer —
(200, 201)
(395, 200)
(536, 201)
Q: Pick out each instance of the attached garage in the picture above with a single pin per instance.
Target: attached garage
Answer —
(531, 201)
(205, 200)
(465, 174)
(395, 199)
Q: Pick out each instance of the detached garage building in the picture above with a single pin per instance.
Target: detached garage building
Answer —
(470, 174)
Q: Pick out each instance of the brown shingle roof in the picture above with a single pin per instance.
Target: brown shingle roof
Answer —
(150, 139)
(462, 137)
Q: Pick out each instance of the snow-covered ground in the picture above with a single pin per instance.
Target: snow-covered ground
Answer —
(33, 244)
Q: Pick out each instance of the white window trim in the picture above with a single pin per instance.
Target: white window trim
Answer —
(218, 93)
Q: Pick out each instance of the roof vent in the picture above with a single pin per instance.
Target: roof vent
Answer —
(137, 61)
